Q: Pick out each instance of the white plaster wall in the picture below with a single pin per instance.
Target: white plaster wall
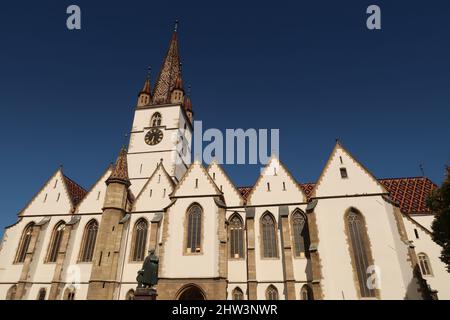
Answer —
(94, 200)
(440, 278)
(39, 270)
(130, 268)
(231, 194)
(424, 219)
(161, 187)
(9, 271)
(205, 185)
(47, 201)
(149, 156)
(75, 270)
(359, 181)
(237, 268)
(338, 282)
(176, 263)
(275, 174)
(32, 291)
(267, 269)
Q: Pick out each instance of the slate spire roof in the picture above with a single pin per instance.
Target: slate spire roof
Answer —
(120, 171)
(170, 72)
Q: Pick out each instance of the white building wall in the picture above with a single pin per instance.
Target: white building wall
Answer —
(440, 278)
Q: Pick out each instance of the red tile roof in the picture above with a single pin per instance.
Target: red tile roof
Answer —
(410, 193)
(76, 192)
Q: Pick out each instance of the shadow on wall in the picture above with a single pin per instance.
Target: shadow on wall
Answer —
(418, 287)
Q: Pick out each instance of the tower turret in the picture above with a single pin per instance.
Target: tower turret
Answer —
(145, 95)
(118, 200)
(187, 105)
(177, 95)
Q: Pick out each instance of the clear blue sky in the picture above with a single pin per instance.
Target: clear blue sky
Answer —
(310, 68)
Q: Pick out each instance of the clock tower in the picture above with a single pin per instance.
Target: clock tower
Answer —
(162, 126)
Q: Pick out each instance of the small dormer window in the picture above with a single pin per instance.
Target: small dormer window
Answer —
(268, 186)
(56, 183)
(196, 183)
(340, 158)
(284, 186)
(59, 195)
(164, 193)
(344, 174)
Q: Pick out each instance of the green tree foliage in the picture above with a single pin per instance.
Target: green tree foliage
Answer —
(439, 203)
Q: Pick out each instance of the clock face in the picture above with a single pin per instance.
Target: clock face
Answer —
(154, 136)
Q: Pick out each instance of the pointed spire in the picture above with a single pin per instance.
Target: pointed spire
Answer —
(120, 171)
(187, 100)
(179, 81)
(170, 71)
(147, 84)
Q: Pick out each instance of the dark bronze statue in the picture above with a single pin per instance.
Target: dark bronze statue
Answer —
(148, 276)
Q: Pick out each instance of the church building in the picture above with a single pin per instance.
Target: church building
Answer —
(348, 236)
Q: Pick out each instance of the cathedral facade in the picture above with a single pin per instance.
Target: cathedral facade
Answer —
(349, 235)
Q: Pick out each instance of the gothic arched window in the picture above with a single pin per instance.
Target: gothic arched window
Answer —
(269, 236)
(237, 294)
(360, 250)
(271, 293)
(236, 235)
(69, 293)
(139, 240)
(55, 242)
(425, 265)
(90, 235)
(42, 293)
(306, 293)
(194, 231)
(130, 295)
(300, 234)
(156, 119)
(24, 243)
(11, 294)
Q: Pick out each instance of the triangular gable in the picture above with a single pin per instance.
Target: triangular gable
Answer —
(223, 182)
(359, 179)
(53, 198)
(196, 181)
(276, 185)
(94, 200)
(154, 196)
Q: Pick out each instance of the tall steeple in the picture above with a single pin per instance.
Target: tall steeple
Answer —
(170, 72)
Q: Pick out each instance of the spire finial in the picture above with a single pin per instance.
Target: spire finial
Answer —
(149, 71)
(189, 90)
(175, 29)
(422, 170)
